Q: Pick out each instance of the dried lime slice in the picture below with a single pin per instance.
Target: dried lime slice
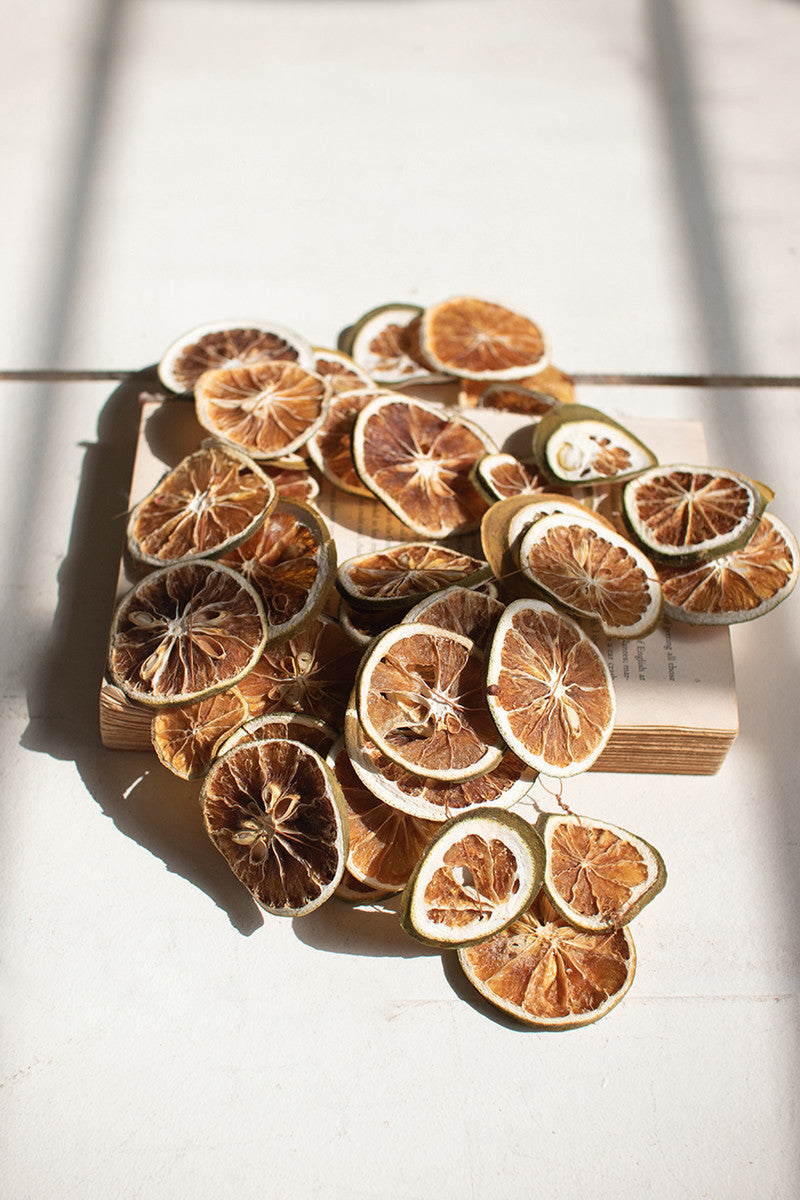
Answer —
(385, 843)
(533, 395)
(549, 689)
(383, 346)
(478, 873)
(342, 372)
(211, 501)
(276, 813)
(594, 572)
(462, 609)
(185, 632)
(687, 513)
(330, 447)
(417, 458)
(187, 737)
(398, 576)
(291, 562)
(598, 876)
(268, 410)
(738, 586)
(433, 799)
(477, 339)
(544, 972)
(575, 444)
(298, 727)
(420, 698)
(498, 476)
(232, 343)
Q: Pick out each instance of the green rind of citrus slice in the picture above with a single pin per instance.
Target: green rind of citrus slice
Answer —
(576, 445)
(478, 873)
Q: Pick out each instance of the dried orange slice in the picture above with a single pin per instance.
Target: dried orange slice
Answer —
(598, 876)
(533, 394)
(398, 576)
(232, 343)
(433, 799)
(549, 689)
(342, 372)
(183, 633)
(417, 459)
(687, 513)
(187, 737)
(575, 444)
(420, 698)
(383, 345)
(330, 447)
(594, 572)
(268, 410)
(476, 339)
(498, 476)
(275, 812)
(298, 727)
(385, 844)
(311, 672)
(212, 500)
(545, 973)
(478, 873)
(462, 609)
(738, 586)
(291, 562)
(362, 624)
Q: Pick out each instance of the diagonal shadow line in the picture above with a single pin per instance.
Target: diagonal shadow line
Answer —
(695, 201)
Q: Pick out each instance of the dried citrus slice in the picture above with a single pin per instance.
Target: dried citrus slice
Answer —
(311, 672)
(420, 698)
(186, 737)
(397, 576)
(575, 444)
(385, 844)
(734, 587)
(594, 572)
(433, 799)
(502, 528)
(183, 633)
(417, 459)
(292, 481)
(686, 513)
(298, 727)
(478, 873)
(212, 500)
(533, 394)
(383, 346)
(353, 891)
(362, 624)
(342, 372)
(473, 614)
(275, 812)
(549, 689)
(330, 447)
(545, 973)
(598, 876)
(267, 410)
(291, 562)
(476, 339)
(498, 476)
(231, 343)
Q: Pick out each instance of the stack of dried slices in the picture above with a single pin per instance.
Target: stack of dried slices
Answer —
(364, 729)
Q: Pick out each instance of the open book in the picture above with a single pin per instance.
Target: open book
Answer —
(676, 696)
